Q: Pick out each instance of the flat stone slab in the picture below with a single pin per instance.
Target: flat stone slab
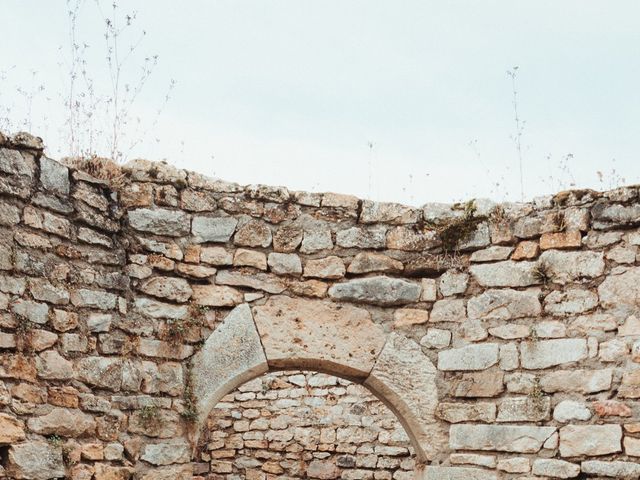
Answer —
(405, 379)
(231, 356)
(504, 274)
(470, 357)
(457, 473)
(549, 353)
(318, 335)
(615, 469)
(501, 438)
(504, 304)
(160, 221)
(380, 290)
(37, 460)
(590, 440)
(621, 289)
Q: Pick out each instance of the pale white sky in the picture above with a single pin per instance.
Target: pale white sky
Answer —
(292, 92)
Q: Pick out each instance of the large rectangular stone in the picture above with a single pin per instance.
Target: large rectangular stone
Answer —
(615, 469)
(505, 304)
(469, 358)
(591, 440)
(582, 381)
(565, 267)
(173, 223)
(505, 274)
(548, 353)
(500, 438)
(213, 229)
(457, 473)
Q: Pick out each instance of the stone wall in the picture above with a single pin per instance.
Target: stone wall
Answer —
(506, 338)
(305, 425)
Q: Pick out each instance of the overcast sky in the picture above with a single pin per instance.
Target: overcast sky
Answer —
(401, 101)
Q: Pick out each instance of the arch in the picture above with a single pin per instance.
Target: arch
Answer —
(340, 340)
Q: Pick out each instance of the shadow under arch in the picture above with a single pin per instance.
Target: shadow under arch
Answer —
(325, 337)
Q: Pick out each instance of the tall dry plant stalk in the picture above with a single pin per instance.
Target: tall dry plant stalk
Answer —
(519, 125)
(101, 117)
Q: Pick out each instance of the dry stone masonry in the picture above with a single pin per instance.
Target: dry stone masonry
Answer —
(305, 425)
(505, 338)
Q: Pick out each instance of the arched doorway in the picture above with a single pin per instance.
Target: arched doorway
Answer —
(296, 424)
(340, 340)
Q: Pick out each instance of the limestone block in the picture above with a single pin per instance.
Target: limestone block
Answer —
(590, 440)
(436, 338)
(54, 176)
(457, 473)
(362, 237)
(504, 274)
(491, 254)
(582, 381)
(285, 263)
(52, 366)
(231, 356)
(368, 262)
(488, 383)
(255, 280)
(156, 309)
(568, 266)
(249, 258)
(328, 267)
(409, 239)
(11, 429)
(287, 238)
(213, 229)
(514, 465)
(523, 409)
(406, 317)
(614, 469)
(569, 410)
(607, 216)
(101, 372)
(467, 412)
(316, 239)
(42, 290)
(570, 301)
(501, 438)
(172, 223)
(449, 310)
(318, 335)
(380, 290)
(167, 452)
(102, 300)
(561, 240)
(622, 289)
(218, 256)
(504, 304)
(253, 233)
(67, 422)
(470, 357)
(549, 353)
(383, 212)
(35, 460)
(526, 250)
(550, 467)
(170, 288)
(19, 172)
(405, 379)
(453, 283)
